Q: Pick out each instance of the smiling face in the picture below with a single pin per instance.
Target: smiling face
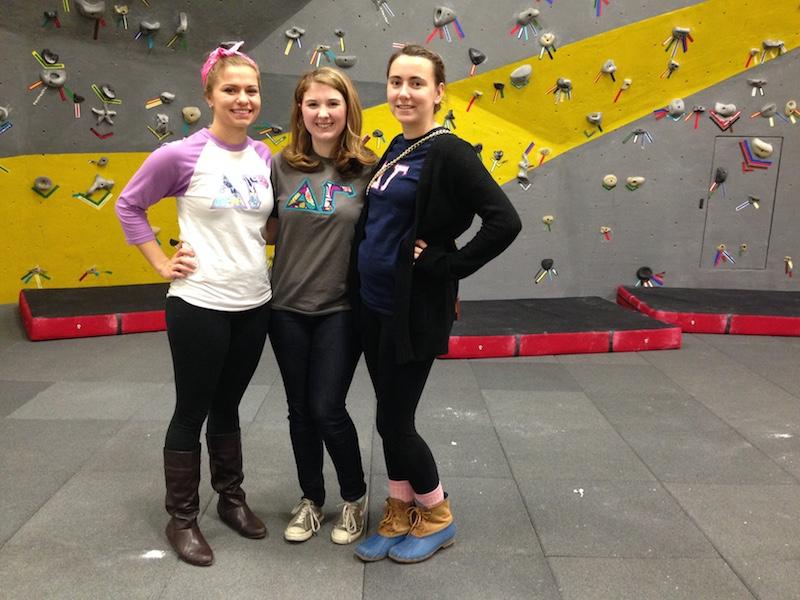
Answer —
(413, 94)
(324, 113)
(235, 101)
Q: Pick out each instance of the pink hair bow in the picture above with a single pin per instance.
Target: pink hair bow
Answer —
(222, 52)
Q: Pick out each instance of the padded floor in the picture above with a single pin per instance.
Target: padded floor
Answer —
(744, 312)
(487, 328)
(86, 312)
(532, 327)
(626, 475)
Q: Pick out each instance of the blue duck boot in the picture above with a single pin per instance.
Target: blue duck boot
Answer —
(392, 530)
(431, 530)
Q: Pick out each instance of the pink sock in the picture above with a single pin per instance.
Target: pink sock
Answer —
(432, 498)
(401, 490)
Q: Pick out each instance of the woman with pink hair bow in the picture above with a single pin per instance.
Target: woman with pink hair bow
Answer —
(216, 307)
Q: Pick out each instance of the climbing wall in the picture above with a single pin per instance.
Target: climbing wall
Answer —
(671, 223)
(539, 85)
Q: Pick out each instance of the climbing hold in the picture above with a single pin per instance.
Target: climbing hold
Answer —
(724, 110)
(476, 57)
(42, 184)
(49, 56)
(190, 114)
(100, 183)
(521, 76)
(610, 181)
(635, 182)
(54, 78)
(92, 10)
(761, 148)
(345, 61)
(443, 15)
(676, 107)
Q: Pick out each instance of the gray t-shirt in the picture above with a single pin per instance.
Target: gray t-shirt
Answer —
(317, 213)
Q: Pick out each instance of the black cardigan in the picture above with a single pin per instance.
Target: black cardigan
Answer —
(454, 186)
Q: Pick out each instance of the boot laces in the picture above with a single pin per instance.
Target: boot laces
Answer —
(417, 516)
(306, 513)
(389, 515)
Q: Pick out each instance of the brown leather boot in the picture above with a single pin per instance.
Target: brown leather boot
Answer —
(395, 521)
(182, 475)
(225, 459)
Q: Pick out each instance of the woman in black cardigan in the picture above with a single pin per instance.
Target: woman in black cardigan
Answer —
(426, 191)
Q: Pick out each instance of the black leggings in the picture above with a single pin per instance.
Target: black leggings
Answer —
(214, 354)
(317, 356)
(398, 389)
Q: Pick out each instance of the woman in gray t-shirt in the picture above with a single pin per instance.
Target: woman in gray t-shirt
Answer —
(318, 182)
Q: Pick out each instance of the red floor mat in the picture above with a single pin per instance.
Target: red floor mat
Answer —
(531, 327)
(50, 314)
(750, 312)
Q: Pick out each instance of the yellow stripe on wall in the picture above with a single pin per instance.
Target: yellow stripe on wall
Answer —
(65, 236)
(723, 32)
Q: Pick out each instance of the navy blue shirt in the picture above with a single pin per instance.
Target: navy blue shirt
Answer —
(390, 219)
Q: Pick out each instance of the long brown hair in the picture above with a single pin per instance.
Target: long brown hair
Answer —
(351, 156)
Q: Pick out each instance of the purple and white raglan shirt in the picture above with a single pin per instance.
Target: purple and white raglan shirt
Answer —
(224, 198)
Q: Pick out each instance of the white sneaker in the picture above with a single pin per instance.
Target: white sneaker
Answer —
(351, 521)
(305, 523)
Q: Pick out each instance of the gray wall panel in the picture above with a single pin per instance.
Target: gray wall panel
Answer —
(136, 73)
(660, 224)
(486, 25)
(750, 226)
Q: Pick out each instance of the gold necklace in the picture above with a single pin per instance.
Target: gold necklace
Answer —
(404, 153)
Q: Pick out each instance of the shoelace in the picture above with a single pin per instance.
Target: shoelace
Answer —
(305, 513)
(417, 516)
(348, 521)
(389, 517)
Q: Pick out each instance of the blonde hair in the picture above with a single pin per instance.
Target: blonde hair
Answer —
(351, 156)
(234, 60)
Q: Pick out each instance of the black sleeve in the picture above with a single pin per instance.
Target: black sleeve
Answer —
(273, 180)
(500, 223)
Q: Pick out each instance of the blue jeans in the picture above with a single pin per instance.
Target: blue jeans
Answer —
(317, 356)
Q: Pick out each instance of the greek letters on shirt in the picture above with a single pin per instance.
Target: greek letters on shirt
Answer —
(384, 180)
(230, 196)
(304, 197)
